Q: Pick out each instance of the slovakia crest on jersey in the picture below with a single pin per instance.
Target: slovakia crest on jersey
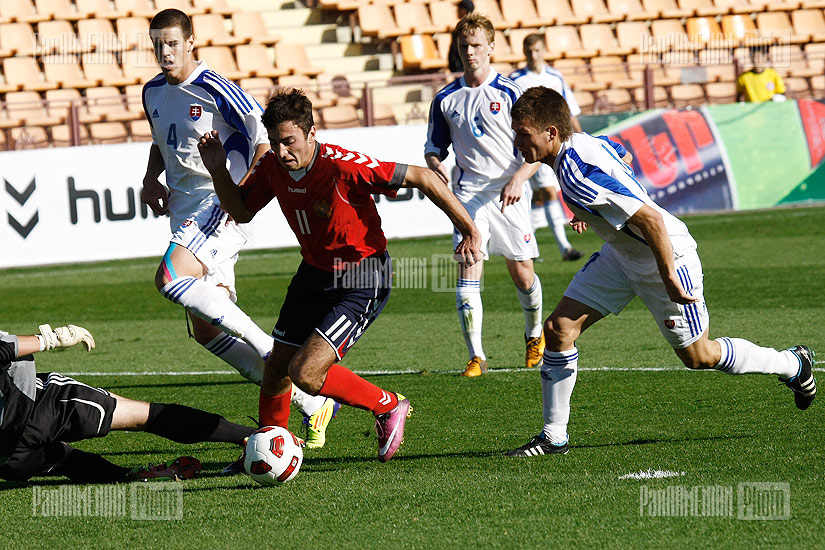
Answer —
(495, 107)
(195, 112)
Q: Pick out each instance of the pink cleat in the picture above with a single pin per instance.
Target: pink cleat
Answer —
(390, 428)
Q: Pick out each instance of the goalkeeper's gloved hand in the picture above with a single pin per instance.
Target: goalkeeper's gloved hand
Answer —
(66, 337)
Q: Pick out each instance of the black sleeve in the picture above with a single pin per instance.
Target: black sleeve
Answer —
(7, 353)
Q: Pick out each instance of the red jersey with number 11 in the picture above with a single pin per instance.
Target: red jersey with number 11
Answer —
(329, 207)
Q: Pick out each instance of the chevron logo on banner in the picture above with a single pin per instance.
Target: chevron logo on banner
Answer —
(22, 228)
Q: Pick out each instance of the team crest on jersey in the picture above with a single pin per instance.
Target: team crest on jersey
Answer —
(322, 209)
(186, 223)
(495, 107)
(528, 237)
(195, 112)
(670, 324)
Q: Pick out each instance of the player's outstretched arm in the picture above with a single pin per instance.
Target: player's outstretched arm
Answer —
(153, 194)
(512, 190)
(652, 225)
(61, 337)
(213, 156)
(434, 164)
(468, 251)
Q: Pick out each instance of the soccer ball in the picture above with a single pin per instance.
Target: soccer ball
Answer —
(273, 455)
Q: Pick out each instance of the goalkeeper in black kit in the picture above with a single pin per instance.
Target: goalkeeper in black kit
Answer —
(41, 412)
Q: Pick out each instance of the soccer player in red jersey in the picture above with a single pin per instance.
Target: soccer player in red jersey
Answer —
(343, 282)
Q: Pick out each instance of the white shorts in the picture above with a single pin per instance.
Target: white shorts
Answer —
(508, 234)
(607, 285)
(544, 178)
(215, 243)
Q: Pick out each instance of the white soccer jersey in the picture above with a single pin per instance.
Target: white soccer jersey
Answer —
(602, 191)
(476, 122)
(549, 78)
(180, 114)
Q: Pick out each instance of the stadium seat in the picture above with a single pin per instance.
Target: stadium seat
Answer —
(98, 34)
(701, 8)
(377, 20)
(66, 71)
(58, 102)
(600, 37)
(18, 39)
(739, 29)
(25, 72)
(585, 101)
(382, 115)
(29, 137)
(249, 26)
(594, 11)
(577, 75)
(443, 13)
(660, 97)
(718, 64)
(311, 89)
(809, 23)
(418, 51)
(133, 32)
(517, 37)
(5, 87)
(675, 63)
(632, 9)
(135, 8)
(214, 6)
(503, 53)
(415, 15)
(612, 100)
(20, 11)
(337, 88)
(519, 13)
(140, 130)
(667, 9)
(557, 12)
(612, 71)
(815, 54)
(704, 31)
(293, 58)
(797, 88)
(28, 108)
(209, 30)
(107, 103)
(183, 5)
(103, 68)
(783, 5)
(58, 36)
(258, 87)
(101, 9)
(57, 10)
(635, 36)
(720, 92)
(254, 60)
(735, 6)
(108, 132)
(490, 9)
(221, 60)
(141, 65)
(773, 25)
(565, 39)
(671, 35)
(340, 116)
(133, 95)
(684, 95)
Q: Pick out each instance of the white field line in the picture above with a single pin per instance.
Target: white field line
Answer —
(386, 372)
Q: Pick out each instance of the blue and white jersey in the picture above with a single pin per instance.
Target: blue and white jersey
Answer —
(180, 114)
(602, 190)
(549, 78)
(476, 122)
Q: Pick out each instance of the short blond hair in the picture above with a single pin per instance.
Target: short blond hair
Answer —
(474, 21)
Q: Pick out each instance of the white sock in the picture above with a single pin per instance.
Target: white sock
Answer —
(239, 354)
(213, 305)
(742, 357)
(530, 301)
(470, 314)
(558, 376)
(557, 221)
(306, 403)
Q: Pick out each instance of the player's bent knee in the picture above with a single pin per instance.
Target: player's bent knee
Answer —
(560, 332)
(301, 378)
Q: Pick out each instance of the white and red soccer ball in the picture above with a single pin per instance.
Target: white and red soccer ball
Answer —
(273, 455)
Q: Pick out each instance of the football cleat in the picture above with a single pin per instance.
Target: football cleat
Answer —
(475, 367)
(571, 255)
(804, 383)
(184, 467)
(535, 351)
(539, 445)
(316, 425)
(390, 428)
(236, 467)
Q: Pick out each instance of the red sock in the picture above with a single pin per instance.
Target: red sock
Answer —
(348, 388)
(273, 410)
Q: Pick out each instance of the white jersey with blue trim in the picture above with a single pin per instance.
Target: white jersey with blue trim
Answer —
(476, 122)
(602, 190)
(180, 114)
(549, 78)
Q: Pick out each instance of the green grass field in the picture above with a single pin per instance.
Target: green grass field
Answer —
(450, 485)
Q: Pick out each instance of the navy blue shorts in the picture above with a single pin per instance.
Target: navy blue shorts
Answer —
(339, 306)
